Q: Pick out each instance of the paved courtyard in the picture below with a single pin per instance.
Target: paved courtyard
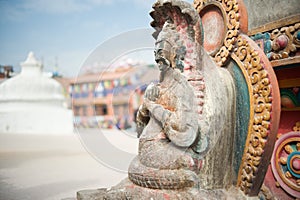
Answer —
(57, 166)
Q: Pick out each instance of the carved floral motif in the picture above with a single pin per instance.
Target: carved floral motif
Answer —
(285, 162)
(231, 9)
(281, 42)
(262, 103)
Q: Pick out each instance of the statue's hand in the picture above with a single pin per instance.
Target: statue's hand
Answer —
(152, 92)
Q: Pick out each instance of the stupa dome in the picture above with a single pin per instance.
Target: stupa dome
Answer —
(33, 103)
(31, 85)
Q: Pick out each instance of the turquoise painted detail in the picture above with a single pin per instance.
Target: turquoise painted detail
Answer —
(242, 113)
(288, 93)
(264, 39)
(298, 35)
(290, 168)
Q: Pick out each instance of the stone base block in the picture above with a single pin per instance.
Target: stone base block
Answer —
(127, 190)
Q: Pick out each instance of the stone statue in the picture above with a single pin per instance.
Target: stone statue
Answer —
(167, 123)
(185, 121)
(185, 124)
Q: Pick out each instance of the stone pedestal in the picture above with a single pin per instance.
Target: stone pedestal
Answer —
(127, 190)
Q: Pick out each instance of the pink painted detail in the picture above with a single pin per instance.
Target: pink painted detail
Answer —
(166, 196)
(296, 90)
(199, 164)
(190, 51)
(287, 102)
(296, 164)
(214, 28)
(282, 41)
(187, 68)
(131, 186)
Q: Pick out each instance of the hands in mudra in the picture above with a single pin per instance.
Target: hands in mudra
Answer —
(151, 93)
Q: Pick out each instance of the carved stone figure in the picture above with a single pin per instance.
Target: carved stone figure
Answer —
(170, 115)
(206, 89)
(187, 122)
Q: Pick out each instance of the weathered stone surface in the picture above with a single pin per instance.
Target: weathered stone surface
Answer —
(92, 194)
(128, 190)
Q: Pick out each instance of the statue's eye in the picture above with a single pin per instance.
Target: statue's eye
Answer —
(161, 62)
(158, 52)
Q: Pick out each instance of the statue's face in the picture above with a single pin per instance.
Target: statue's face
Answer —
(161, 60)
(162, 55)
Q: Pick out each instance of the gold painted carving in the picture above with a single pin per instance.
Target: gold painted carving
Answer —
(261, 101)
(297, 127)
(280, 40)
(284, 41)
(265, 191)
(231, 8)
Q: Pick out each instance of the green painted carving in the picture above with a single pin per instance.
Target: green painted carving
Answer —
(242, 114)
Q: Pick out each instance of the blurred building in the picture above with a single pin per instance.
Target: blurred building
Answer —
(65, 83)
(110, 98)
(6, 72)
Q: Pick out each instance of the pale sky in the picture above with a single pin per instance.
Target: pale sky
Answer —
(70, 30)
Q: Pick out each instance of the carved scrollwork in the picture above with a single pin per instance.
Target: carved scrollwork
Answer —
(280, 43)
(259, 127)
(230, 10)
(198, 4)
(284, 41)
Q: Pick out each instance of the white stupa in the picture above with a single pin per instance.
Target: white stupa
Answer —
(33, 103)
